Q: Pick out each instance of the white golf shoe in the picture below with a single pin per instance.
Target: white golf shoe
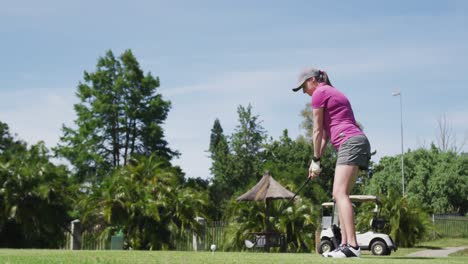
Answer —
(328, 253)
(345, 252)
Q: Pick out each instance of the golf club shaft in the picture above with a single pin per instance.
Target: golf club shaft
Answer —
(294, 196)
(300, 189)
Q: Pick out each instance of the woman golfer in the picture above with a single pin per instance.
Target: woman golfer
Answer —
(334, 121)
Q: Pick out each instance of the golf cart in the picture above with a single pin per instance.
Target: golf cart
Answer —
(380, 244)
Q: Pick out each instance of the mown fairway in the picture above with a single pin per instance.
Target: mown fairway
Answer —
(25, 256)
(62, 256)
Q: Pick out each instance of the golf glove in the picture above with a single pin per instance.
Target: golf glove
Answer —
(315, 167)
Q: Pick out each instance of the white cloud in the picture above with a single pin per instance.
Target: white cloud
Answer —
(196, 107)
(37, 114)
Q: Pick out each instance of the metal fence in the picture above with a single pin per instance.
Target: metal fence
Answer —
(450, 225)
(212, 234)
(215, 234)
(89, 241)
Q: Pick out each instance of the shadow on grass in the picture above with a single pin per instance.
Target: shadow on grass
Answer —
(402, 257)
(428, 247)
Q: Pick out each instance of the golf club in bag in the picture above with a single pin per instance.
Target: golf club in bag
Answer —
(249, 244)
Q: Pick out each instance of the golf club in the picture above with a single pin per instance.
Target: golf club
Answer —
(295, 194)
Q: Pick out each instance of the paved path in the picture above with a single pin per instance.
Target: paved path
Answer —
(436, 252)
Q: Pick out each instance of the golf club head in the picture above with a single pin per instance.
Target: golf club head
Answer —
(248, 244)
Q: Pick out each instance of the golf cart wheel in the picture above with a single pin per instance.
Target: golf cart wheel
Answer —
(379, 248)
(325, 246)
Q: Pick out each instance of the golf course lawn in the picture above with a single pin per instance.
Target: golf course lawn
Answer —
(66, 256)
(29, 256)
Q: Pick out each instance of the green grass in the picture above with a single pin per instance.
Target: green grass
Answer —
(461, 253)
(445, 242)
(172, 257)
(14, 256)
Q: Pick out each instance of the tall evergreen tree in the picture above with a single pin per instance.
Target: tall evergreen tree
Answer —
(216, 136)
(221, 169)
(238, 161)
(220, 155)
(247, 145)
(119, 115)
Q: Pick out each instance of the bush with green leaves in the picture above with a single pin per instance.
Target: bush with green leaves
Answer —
(437, 180)
(35, 198)
(407, 223)
(147, 202)
(297, 221)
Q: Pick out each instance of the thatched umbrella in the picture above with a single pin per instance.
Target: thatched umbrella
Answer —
(267, 189)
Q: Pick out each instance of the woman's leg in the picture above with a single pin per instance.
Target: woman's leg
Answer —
(344, 237)
(345, 177)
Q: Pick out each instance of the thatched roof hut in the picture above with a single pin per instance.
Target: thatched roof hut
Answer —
(266, 189)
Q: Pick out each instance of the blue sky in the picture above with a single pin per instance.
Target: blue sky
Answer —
(212, 56)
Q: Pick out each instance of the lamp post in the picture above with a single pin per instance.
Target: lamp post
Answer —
(402, 160)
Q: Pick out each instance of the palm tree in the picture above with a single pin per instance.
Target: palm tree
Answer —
(408, 222)
(34, 199)
(147, 202)
(297, 221)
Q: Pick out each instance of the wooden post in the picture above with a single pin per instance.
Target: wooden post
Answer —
(268, 229)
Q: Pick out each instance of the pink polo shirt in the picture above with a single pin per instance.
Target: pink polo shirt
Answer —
(338, 119)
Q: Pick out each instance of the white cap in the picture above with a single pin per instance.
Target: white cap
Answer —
(304, 75)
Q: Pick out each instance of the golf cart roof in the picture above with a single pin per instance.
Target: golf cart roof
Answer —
(327, 204)
(364, 198)
(357, 198)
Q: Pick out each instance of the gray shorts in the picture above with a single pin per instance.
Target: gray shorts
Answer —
(355, 151)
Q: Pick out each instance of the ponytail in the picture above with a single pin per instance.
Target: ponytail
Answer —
(323, 77)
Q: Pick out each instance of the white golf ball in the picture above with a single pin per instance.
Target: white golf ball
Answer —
(213, 247)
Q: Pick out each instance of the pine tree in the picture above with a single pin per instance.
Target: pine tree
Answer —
(221, 168)
(119, 116)
(247, 145)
